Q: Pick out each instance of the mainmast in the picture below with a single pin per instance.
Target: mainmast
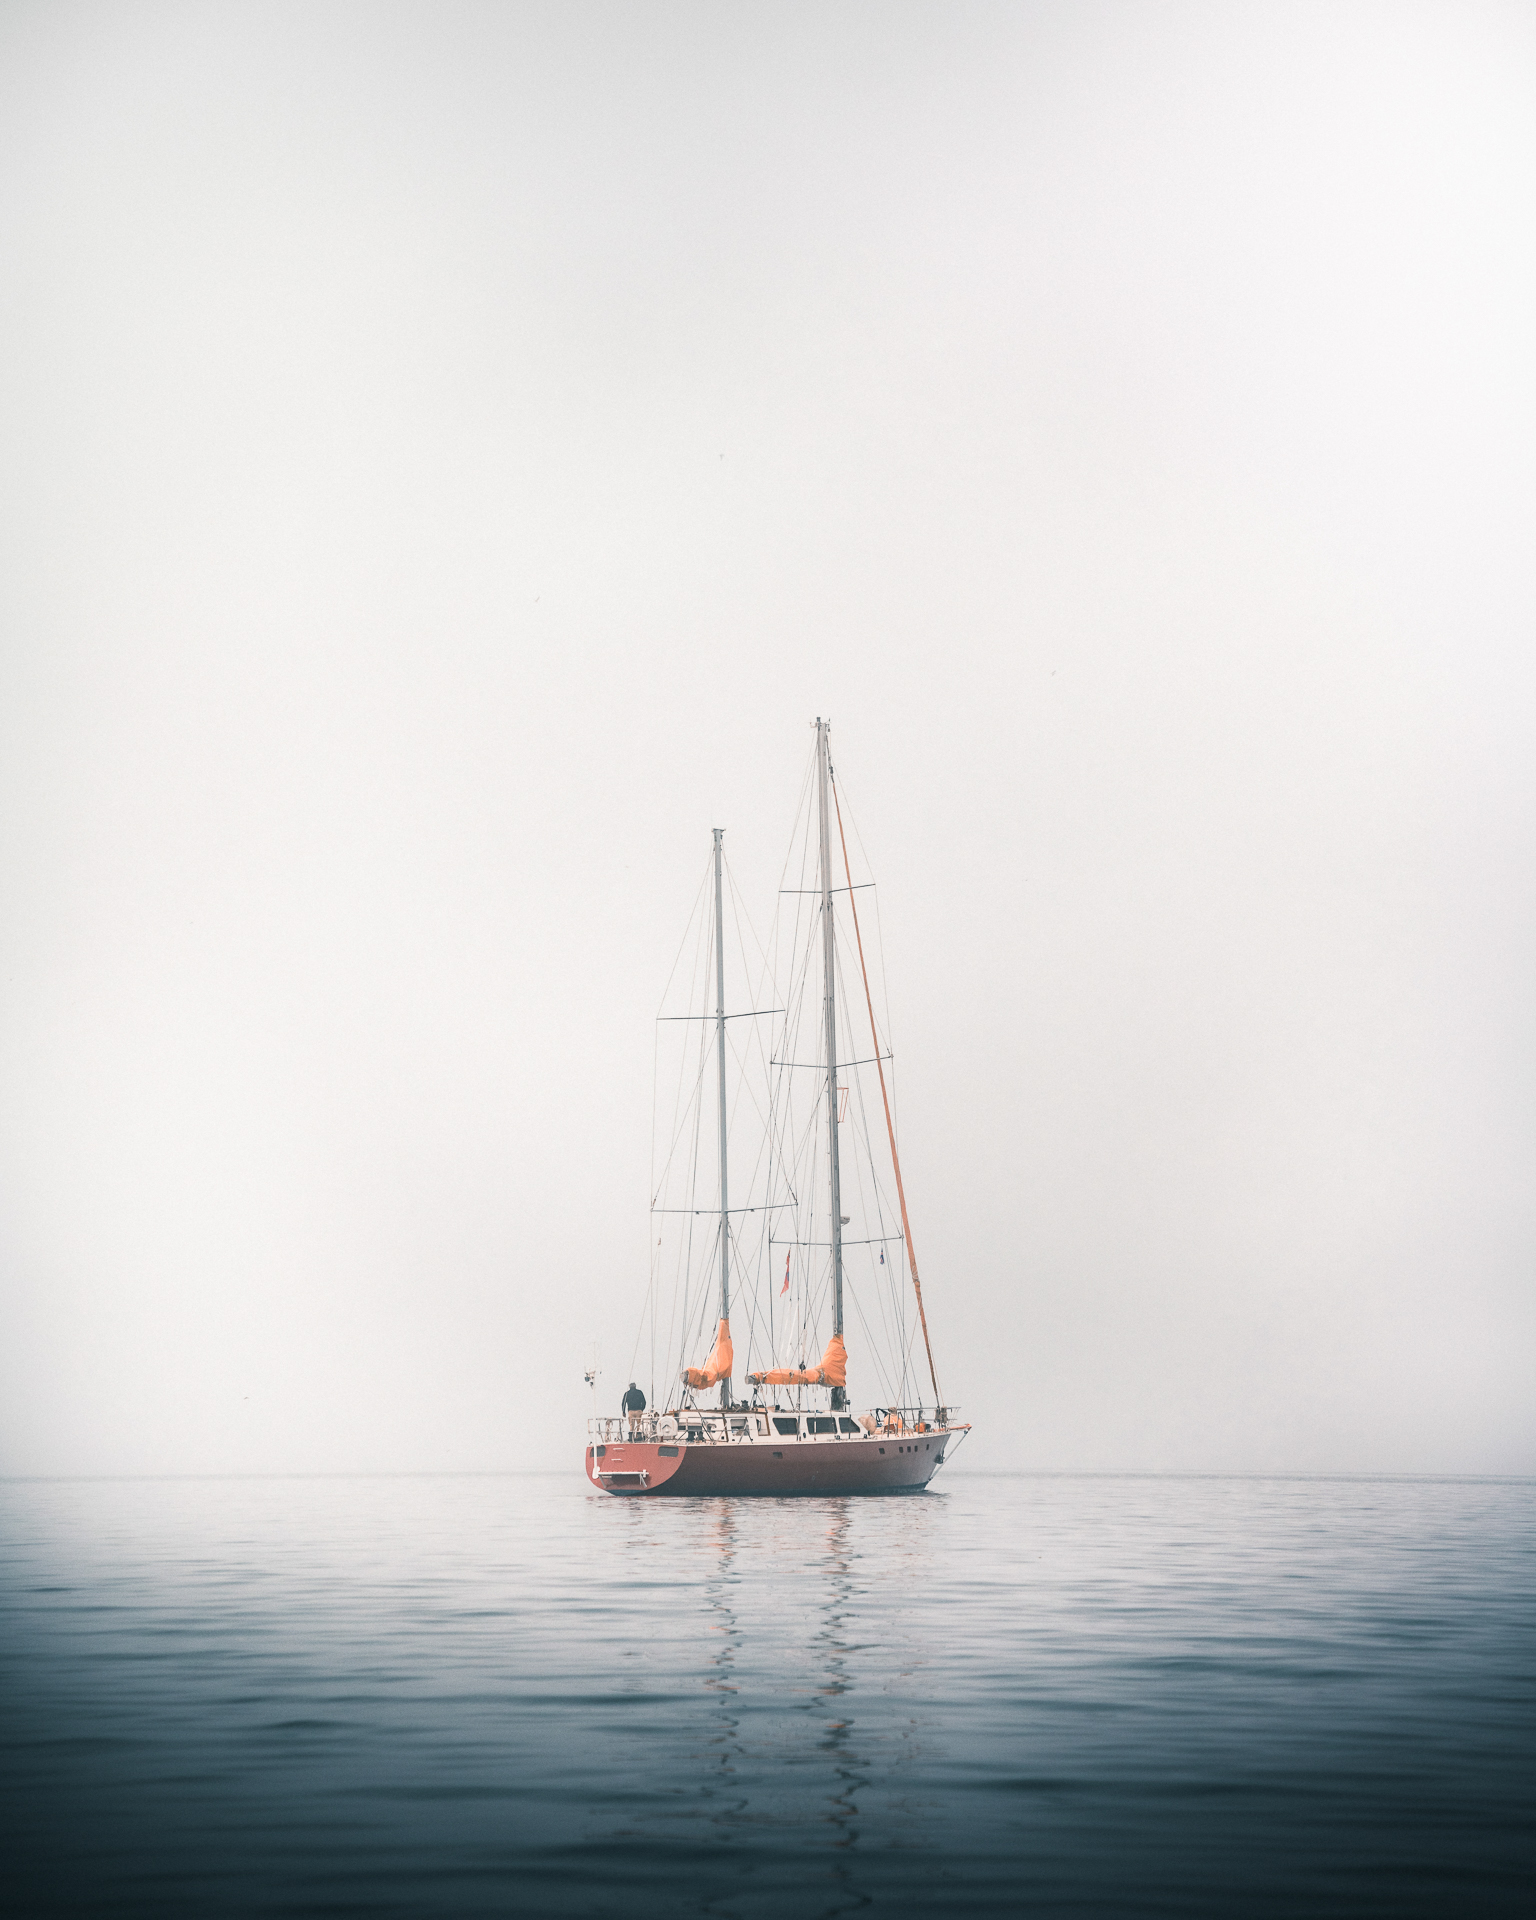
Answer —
(725, 1212)
(829, 1000)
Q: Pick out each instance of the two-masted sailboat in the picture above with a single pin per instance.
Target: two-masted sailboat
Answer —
(795, 1431)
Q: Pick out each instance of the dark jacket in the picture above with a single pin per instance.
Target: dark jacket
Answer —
(633, 1401)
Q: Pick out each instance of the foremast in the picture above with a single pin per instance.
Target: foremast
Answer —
(725, 1204)
(829, 1003)
(716, 1370)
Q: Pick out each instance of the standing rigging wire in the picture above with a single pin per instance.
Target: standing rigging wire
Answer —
(917, 1285)
(874, 1202)
(885, 988)
(687, 1112)
(750, 1187)
(781, 1107)
(894, 1340)
(739, 914)
(702, 991)
(802, 1145)
(653, 1262)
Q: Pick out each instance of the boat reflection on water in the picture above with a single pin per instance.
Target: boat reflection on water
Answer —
(722, 1640)
(795, 1734)
(843, 1758)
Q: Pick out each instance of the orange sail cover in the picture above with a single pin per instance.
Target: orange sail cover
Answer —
(717, 1367)
(833, 1371)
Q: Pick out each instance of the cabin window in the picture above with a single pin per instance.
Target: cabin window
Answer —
(785, 1426)
(820, 1424)
(845, 1425)
(667, 1453)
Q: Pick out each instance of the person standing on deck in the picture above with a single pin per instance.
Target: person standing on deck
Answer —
(633, 1404)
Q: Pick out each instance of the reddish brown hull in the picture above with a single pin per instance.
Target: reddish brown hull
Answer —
(896, 1463)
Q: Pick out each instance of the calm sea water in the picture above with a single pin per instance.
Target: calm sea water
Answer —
(489, 1695)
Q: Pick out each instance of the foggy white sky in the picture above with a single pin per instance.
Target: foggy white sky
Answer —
(449, 454)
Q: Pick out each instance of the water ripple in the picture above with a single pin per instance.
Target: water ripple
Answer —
(493, 1695)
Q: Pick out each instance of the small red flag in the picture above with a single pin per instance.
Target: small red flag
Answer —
(785, 1288)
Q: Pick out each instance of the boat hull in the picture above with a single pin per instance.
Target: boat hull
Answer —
(893, 1463)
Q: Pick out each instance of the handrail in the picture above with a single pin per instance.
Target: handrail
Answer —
(708, 1423)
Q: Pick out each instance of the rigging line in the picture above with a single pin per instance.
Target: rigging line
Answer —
(772, 1206)
(863, 887)
(892, 1295)
(740, 914)
(744, 1085)
(802, 811)
(870, 1346)
(799, 835)
(688, 1113)
(683, 1268)
(648, 1311)
(713, 1243)
(685, 1250)
(786, 1131)
(687, 929)
(794, 1137)
(885, 985)
(677, 1292)
(857, 1117)
(780, 1142)
(679, 1111)
(821, 1065)
(877, 1240)
(758, 1013)
(901, 1192)
(864, 1168)
(650, 1250)
(792, 1032)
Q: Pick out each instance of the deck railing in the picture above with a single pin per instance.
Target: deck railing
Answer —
(709, 1422)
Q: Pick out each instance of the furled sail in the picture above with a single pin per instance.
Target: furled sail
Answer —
(833, 1371)
(718, 1365)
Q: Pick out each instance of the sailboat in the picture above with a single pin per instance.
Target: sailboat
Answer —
(796, 1431)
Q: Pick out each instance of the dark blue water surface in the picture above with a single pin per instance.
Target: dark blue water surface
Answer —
(1015, 1694)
